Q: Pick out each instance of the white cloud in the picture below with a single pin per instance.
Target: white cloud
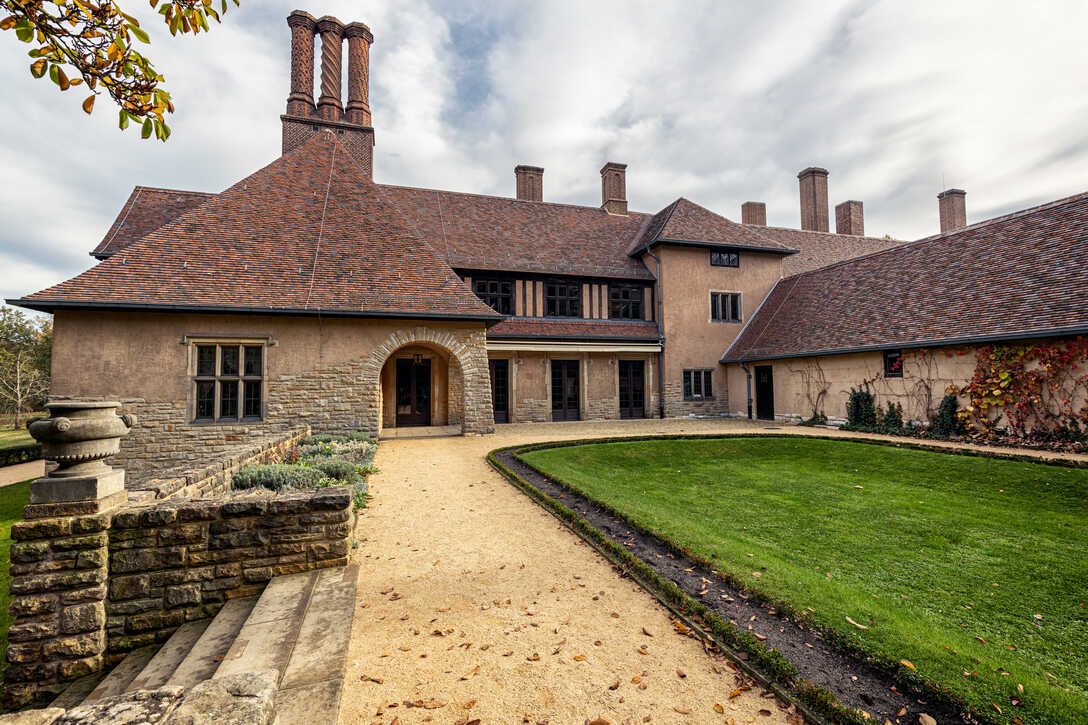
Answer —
(720, 102)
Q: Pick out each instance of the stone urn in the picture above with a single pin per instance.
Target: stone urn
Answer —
(79, 435)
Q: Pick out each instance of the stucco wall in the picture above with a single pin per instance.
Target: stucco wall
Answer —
(692, 339)
(320, 372)
(798, 381)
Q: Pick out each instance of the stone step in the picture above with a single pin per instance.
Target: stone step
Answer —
(203, 659)
(158, 671)
(77, 691)
(268, 636)
(117, 681)
(311, 685)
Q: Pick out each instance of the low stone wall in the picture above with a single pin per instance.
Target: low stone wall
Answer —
(213, 477)
(180, 560)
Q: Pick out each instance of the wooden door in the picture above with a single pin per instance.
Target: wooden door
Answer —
(565, 397)
(632, 389)
(764, 392)
(500, 389)
(413, 392)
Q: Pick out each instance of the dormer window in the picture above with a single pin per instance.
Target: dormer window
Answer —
(498, 294)
(725, 259)
(625, 302)
(562, 299)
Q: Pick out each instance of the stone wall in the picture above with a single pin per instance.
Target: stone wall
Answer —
(676, 406)
(180, 560)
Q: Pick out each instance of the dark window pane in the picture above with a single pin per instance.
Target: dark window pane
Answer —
(708, 392)
(253, 365)
(251, 404)
(229, 360)
(893, 363)
(687, 385)
(624, 302)
(734, 301)
(228, 399)
(725, 259)
(205, 399)
(715, 306)
(562, 299)
(205, 360)
(497, 294)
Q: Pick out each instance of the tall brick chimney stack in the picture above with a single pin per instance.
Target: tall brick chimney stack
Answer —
(303, 118)
(359, 40)
(301, 100)
(614, 188)
(530, 182)
(329, 106)
(814, 199)
(753, 212)
(850, 218)
(953, 208)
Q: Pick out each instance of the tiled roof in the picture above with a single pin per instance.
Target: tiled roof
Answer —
(686, 222)
(1020, 275)
(523, 328)
(497, 233)
(146, 210)
(307, 233)
(819, 249)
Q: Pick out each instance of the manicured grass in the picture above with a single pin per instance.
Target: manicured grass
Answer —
(12, 500)
(10, 438)
(973, 569)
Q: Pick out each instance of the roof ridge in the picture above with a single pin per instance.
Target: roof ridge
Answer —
(813, 231)
(943, 235)
(165, 190)
(507, 198)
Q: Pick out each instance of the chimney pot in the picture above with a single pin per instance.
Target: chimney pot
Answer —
(850, 218)
(301, 100)
(529, 182)
(753, 212)
(359, 41)
(952, 204)
(614, 188)
(329, 106)
(813, 182)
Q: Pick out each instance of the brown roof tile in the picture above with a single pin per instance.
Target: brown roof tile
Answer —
(146, 210)
(686, 222)
(1020, 275)
(572, 328)
(307, 233)
(472, 231)
(819, 249)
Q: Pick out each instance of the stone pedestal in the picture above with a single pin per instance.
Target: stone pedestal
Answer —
(59, 558)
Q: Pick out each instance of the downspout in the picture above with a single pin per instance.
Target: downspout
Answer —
(660, 338)
(748, 376)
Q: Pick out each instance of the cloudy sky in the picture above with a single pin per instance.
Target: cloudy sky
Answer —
(720, 102)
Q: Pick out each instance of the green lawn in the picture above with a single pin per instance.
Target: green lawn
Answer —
(973, 569)
(12, 500)
(10, 438)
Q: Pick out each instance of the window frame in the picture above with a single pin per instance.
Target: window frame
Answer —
(735, 305)
(220, 378)
(732, 258)
(619, 302)
(893, 363)
(506, 295)
(566, 301)
(703, 378)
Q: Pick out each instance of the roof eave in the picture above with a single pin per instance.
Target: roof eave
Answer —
(916, 344)
(574, 338)
(715, 245)
(50, 305)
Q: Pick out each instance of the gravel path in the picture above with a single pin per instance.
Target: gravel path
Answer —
(474, 603)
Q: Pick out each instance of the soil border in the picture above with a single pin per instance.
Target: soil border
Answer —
(826, 673)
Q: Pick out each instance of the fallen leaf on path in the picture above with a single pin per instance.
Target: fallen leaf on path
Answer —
(367, 678)
(681, 710)
(647, 632)
(579, 658)
(471, 673)
(615, 685)
(859, 626)
(719, 709)
(907, 663)
(470, 704)
(534, 657)
(642, 650)
(924, 719)
(681, 674)
(765, 713)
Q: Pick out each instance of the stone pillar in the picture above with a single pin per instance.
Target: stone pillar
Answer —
(59, 558)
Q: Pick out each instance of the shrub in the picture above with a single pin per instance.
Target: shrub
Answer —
(279, 477)
(946, 421)
(344, 471)
(356, 451)
(861, 409)
(336, 438)
(816, 419)
(20, 454)
(891, 419)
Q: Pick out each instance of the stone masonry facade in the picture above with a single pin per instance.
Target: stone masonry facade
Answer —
(676, 406)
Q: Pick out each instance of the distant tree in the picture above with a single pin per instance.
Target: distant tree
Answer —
(93, 42)
(26, 349)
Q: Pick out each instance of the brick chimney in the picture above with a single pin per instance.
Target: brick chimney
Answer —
(303, 118)
(753, 212)
(850, 218)
(814, 199)
(530, 182)
(301, 100)
(614, 188)
(953, 207)
(359, 40)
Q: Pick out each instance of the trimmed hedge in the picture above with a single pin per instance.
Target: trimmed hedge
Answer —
(279, 477)
(20, 454)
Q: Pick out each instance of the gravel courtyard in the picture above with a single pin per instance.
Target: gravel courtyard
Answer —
(474, 603)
